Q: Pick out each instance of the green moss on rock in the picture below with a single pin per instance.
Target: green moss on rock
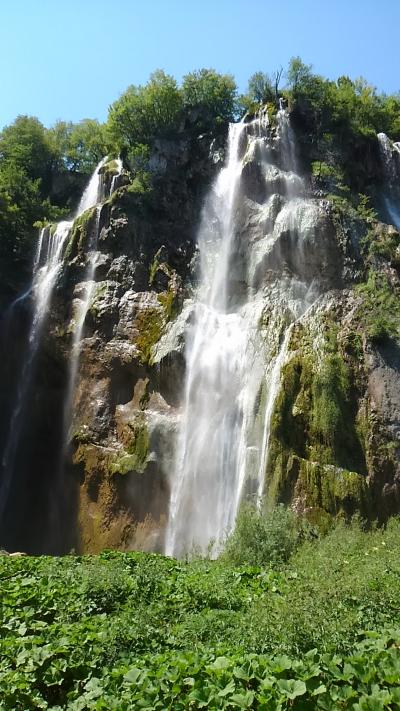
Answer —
(150, 324)
(80, 233)
(330, 488)
(317, 438)
(134, 456)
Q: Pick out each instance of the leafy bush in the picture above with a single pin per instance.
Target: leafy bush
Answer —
(124, 631)
(262, 538)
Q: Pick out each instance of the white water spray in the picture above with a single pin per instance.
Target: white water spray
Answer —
(46, 268)
(219, 455)
(390, 153)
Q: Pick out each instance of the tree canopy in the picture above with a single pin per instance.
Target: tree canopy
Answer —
(332, 116)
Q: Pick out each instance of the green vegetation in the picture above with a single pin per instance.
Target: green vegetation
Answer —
(312, 455)
(135, 456)
(144, 112)
(150, 324)
(135, 631)
(42, 171)
(380, 309)
(261, 539)
(212, 97)
(78, 147)
(32, 159)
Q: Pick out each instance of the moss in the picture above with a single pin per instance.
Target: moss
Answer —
(330, 488)
(330, 391)
(150, 324)
(109, 169)
(315, 417)
(379, 312)
(134, 457)
(168, 299)
(80, 233)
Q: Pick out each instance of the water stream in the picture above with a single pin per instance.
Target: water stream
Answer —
(46, 269)
(390, 153)
(222, 445)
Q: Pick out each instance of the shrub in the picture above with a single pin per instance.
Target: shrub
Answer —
(262, 538)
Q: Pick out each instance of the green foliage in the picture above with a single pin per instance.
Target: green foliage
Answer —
(143, 113)
(30, 159)
(380, 310)
(260, 88)
(78, 147)
(212, 95)
(124, 631)
(25, 145)
(298, 75)
(262, 538)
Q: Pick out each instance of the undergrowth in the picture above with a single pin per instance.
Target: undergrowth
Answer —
(315, 628)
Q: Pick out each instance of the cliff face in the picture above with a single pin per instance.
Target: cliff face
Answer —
(335, 425)
(124, 407)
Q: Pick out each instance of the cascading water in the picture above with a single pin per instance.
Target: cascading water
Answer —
(390, 153)
(46, 268)
(115, 178)
(221, 450)
(82, 306)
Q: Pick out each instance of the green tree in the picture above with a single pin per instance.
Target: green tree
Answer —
(26, 145)
(212, 96)
(260, 88)
(77, 147)
(21, 204)
(298, 74)
(144, 112)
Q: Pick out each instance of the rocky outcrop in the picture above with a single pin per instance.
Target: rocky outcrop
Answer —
(335, 430)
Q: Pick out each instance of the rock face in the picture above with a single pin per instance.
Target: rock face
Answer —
(129, 388)
(335, 428)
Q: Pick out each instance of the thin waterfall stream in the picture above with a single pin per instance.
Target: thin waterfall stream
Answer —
(46, 269)
(390, 153)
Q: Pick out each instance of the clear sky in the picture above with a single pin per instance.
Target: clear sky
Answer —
(70, 59)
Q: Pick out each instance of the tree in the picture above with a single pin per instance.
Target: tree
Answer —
(26, 145)
(77, 147)
(260, 88)
(144, 112)
(213, 96)
(298, 74)
(21, 205)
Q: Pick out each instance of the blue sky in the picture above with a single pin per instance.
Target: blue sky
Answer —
(70, 59)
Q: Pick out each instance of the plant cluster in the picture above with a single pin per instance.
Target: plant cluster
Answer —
(130, 630)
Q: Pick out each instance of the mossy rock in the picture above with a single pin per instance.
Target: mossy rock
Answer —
(80, 234)
(318, 394)
(330, 488)
(135, 455)
(150, 323)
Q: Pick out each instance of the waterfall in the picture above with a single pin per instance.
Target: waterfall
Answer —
(115, 178)
(273, 388)
(46, 268)
(221, 452)
(81, 311)
(390, 153)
